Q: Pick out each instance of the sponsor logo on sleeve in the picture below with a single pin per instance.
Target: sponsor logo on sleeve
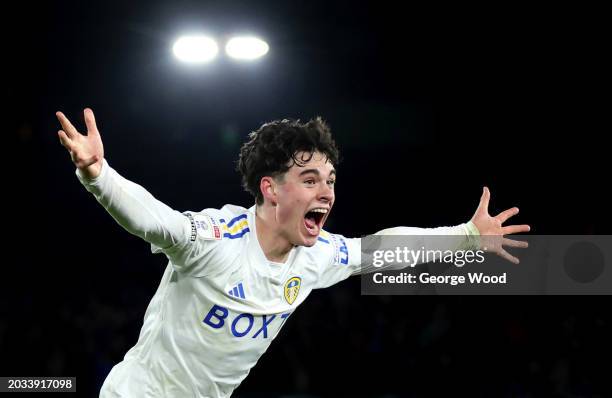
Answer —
(193, 227)
(206, 227)
(341, 255)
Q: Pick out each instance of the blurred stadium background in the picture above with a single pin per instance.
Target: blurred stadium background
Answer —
(427, 104)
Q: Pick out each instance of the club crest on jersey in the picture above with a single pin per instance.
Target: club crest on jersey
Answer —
(292, 288)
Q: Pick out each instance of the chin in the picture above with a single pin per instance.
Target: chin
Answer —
(310, 242)
(307, 241)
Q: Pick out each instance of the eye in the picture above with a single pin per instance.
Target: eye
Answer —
(309, 181)
(331, 182)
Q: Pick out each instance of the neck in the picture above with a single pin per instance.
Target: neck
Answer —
(274, 246)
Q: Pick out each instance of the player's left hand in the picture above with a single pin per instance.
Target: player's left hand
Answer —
(492, 232)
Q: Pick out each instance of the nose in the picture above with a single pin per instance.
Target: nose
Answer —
(326, 193)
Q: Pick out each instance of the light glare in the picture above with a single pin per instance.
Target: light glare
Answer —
(246, 48)
(195, 49)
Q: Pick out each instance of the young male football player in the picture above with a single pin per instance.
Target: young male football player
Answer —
(235, 274)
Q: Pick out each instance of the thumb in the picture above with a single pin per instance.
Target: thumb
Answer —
(484, 200)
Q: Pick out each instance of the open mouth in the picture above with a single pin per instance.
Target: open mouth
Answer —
(313, 220)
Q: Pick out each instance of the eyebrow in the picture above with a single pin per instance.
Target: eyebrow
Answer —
(315, 171)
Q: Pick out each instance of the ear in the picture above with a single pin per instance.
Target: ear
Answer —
(267, 185)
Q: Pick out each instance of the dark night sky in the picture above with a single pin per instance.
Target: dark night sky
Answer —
(439, 102)
(427, 104)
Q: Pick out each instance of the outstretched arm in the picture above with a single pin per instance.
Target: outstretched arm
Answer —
(481, 232)
(133, 207)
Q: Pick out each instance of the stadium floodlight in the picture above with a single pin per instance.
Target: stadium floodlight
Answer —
(195, 49)
(246, 48)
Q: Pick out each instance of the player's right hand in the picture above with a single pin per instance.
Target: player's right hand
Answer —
(86, 151)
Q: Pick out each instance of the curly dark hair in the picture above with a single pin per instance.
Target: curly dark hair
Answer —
(271, 150)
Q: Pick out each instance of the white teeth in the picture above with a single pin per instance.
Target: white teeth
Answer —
(319, 211)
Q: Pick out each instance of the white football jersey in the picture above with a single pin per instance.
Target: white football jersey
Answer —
(220, 302)
(219, 305)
